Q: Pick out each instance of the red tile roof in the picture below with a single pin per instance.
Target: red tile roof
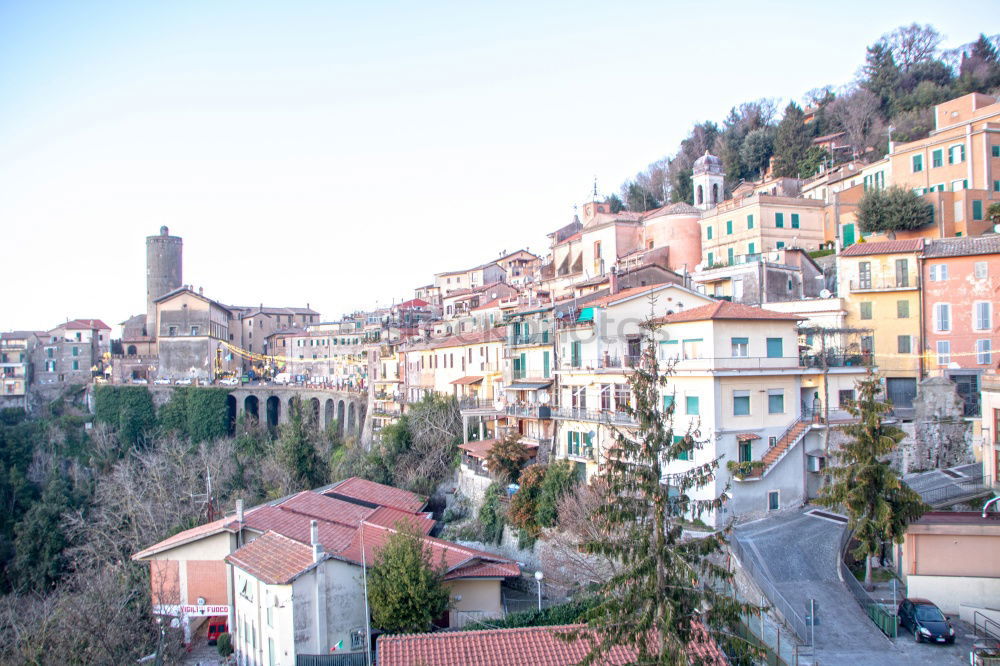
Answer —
(459, 561)
(883, 247)
(726, 310)
(414, 303)
(625, 294)
(85, 324)
(389, 517)
(227, 524)
(273, 559)
(379, 494)
(470, 379)
(479, 449)
(534, 646)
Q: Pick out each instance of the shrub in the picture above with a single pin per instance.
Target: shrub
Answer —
(225, 644)
(491, 514)
(893, 209)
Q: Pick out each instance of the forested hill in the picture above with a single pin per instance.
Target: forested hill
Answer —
(904, 74)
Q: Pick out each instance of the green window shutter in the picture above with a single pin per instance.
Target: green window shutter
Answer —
(710, 259)
(546, 365)
(774, 349)
(692, 405)
(569, 443)
(684, 454)
(866, 310)
(918, 163)
(729, 253)
(729, 226)
(977, 209)
(961, 153)
(847, 234)
(668, 400)
(903, 344)
(779, 220)
(937, 158)
(749, 221)
(902, 309)
(779, 245)
(750, 248)
(996, 151)
(996, 183)
(746, 452)
(795, 220)
(709, 233)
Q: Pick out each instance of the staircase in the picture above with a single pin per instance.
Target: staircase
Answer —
(788, 439)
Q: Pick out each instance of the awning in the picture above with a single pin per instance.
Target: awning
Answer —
(586, 314)
(747, 436)
(471, 379)
(479, 449)
(530, 386)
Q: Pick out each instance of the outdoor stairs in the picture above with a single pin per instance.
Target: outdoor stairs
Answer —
(789, 439)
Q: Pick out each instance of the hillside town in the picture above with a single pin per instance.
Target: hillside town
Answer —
(770, 304)
(756, 421)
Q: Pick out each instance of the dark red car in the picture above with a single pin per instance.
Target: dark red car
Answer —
(216, 626)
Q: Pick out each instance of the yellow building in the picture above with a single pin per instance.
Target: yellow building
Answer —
(957, 167)
(880, 285)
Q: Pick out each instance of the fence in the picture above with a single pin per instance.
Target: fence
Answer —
(959, 489)
(885, 620)
(346, 659)
(795, 621)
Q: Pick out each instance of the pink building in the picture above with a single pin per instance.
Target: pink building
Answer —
(961, 289)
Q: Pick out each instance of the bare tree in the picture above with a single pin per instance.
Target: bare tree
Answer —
(565, 565)
(858, 114)
(912, 44)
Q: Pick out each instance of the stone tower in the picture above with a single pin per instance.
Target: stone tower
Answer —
(164, 263)
(708, 180)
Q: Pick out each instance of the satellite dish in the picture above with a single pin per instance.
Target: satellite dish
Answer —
(544, 397)
(775, 256)
(493, 295)
(826, 293)
(700, 266)
(499, 404)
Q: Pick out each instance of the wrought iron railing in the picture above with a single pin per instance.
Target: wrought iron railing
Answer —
(957, 489)
(777, 600)
(885, 620)
(596, 415)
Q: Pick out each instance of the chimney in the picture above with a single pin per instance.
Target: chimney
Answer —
(201, 291)
(239, 510)
(613, 280)
(314, 540)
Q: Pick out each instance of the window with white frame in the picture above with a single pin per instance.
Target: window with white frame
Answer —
(942, 317)
(981, 270)
(943, 352)
(939, 272)
(982, 319)
(984, 352)
(741, 347)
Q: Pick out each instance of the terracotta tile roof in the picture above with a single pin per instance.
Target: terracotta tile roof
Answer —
(479, 449)
(85, 324)
(378, 493)
(679, 208)
(471, 379)
(726, 310)
(389, 517)
(534, 646)
(333, 535)
(413, 303)
(963, 247)
(747, 436)
(273, 559)
(883, 247)
(622, 295)
(459, 561)
(226, 524)
(495, 334)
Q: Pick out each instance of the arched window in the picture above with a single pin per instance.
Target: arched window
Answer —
(131, 351)
(715, 193)
(700, 196)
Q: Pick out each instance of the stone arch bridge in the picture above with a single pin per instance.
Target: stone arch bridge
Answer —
(271, 405)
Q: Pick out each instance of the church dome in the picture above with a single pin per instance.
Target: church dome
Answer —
(707, 164)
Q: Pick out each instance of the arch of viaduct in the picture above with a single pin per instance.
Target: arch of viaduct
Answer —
(271, 405)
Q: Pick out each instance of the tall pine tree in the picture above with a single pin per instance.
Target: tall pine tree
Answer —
(879, 505)
(665, 587)
(791, 143)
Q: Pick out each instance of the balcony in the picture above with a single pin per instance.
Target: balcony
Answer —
(604, 363)
(887, 283)
(594, 415)
(478, 407)
(543, 338)
(530, 411)
(836, 360)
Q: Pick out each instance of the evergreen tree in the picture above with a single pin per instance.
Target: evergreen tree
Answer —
(297, 448)
(664, 586)
(523, 511)
(613, 200)
(41, 538)
(881, 74)
(893, 209)
(878, 504)
(560, 478)
(405, 588)
(791, 142)
(756, 151)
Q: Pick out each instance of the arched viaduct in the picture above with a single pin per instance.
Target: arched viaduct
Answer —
(271, 405)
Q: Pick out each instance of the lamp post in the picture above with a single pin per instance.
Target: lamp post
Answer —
(538, 579)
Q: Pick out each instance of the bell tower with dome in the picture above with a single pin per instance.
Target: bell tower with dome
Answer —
(707, 179)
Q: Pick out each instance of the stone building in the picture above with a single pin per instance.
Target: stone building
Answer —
(72, 353)
(16, 350)
(193, 336)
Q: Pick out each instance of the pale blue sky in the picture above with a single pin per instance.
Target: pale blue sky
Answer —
(341, 153)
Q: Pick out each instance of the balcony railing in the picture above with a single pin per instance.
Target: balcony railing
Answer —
(530, 411)
(595, 415)
(603, 363)
(543, 338)
(480, 404)
(836, 360)
(886, 283)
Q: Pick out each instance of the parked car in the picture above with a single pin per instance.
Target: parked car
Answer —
(926, 621)
(216, 626)
(183, 381)
(139, 380)
(162, 380)
(230, 381)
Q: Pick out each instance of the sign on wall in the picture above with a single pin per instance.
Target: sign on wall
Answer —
(204, 610)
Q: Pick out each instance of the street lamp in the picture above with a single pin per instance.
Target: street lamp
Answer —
(538, 579)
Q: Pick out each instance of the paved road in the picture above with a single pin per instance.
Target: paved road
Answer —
(799, 553)
(956, 482)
